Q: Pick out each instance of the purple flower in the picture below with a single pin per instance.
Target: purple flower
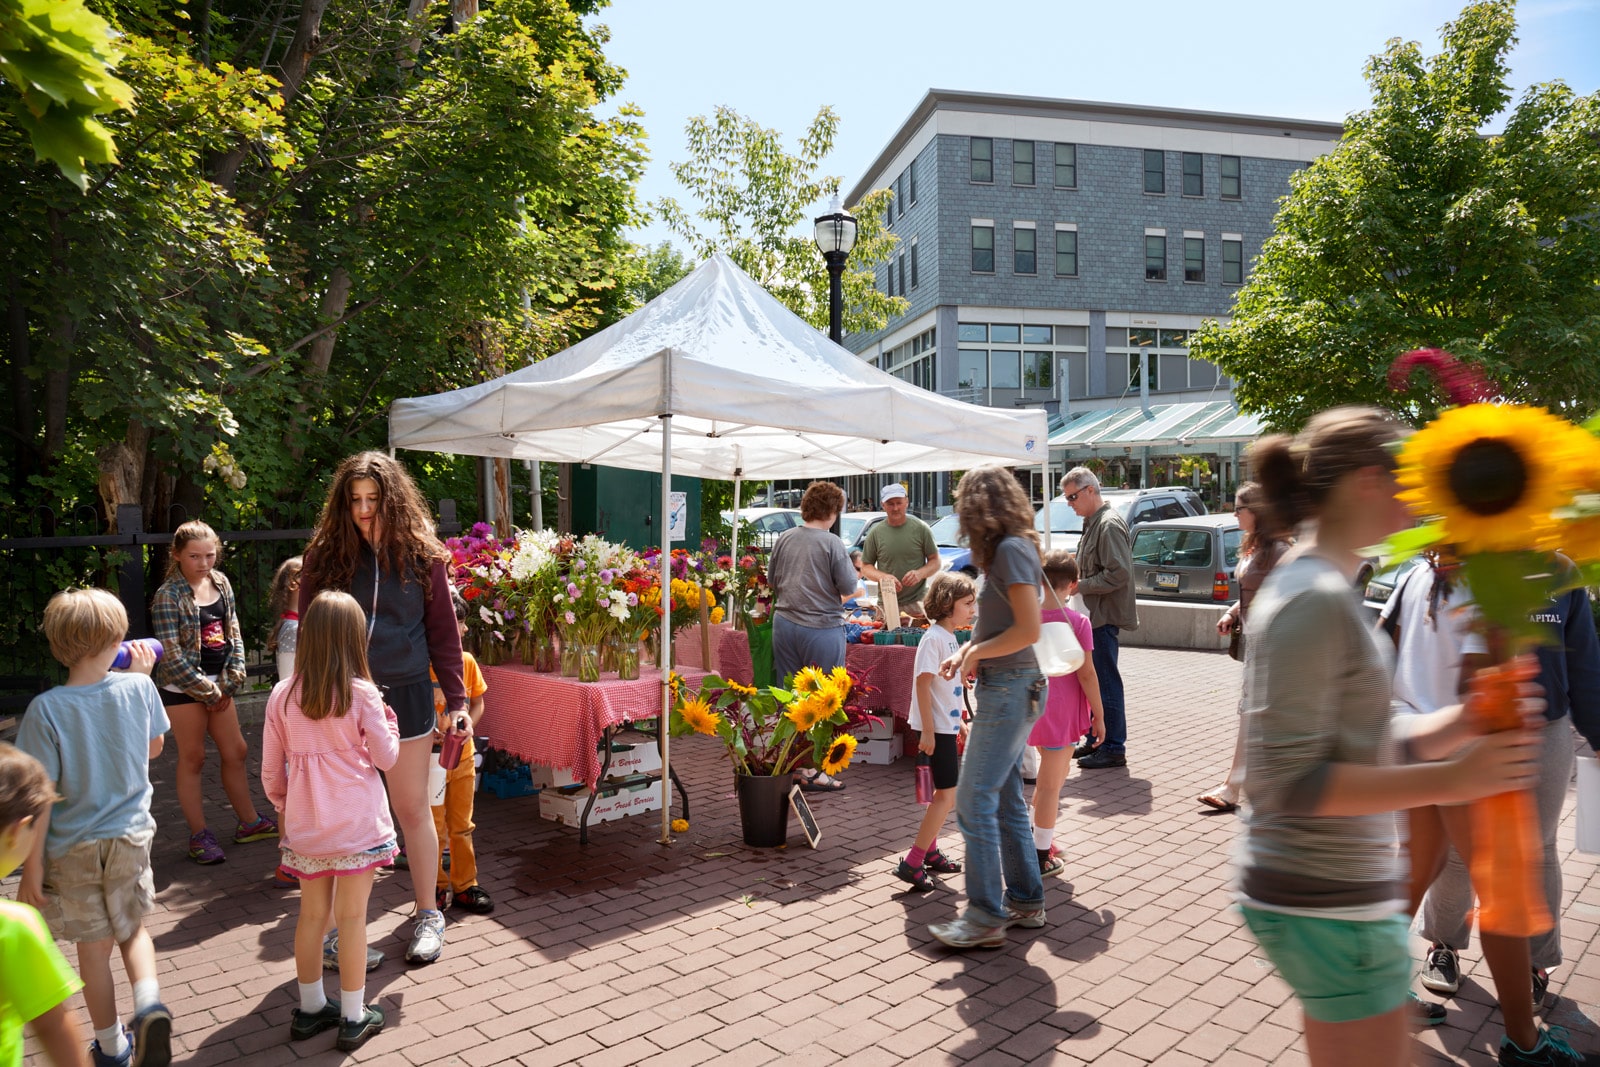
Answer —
(604, 603)
(578, 564)
(481, 530)
(571, 618)
(605, 576)
(633, 600)
(572, 591)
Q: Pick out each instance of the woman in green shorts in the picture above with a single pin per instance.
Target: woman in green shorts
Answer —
(1321, 881)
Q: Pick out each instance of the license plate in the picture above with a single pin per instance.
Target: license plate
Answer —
(1168, 581)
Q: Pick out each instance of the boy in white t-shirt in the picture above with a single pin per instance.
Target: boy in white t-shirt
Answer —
(951, 601)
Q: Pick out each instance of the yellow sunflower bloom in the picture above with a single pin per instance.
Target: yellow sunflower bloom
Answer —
(742, 690)
(698, 714)
(807, 712)
(839, 753)
(841, 679)
(1495, 473)
(680, 826)
(809, 680)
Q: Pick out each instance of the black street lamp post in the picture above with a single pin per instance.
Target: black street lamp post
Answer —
(835, 236)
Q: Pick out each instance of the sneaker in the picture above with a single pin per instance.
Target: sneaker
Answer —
(100, 1059)
(916, 877)
(203, 848)
(427, 937)
(939, 863)
(1425, 1012)
(352, 1035)
(1031, 918)
(1100, 759)
(474, 899)
(1541, 986)
(1552, 1050)
(1053, 865)
(152, 1037)
(1084, 749)
(284, 878)
(964, 933)
(1441, 973)
(330, 954)
(303, 1025)
(260, 830)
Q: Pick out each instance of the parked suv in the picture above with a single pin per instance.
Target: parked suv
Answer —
(1192, 558)
(1136, 506)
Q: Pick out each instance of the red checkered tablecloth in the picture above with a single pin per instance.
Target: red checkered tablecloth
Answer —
(730, 652)
(556, 721)
(886, 668)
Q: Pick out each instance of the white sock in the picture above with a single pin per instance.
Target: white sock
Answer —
(353, 1004)
(1042, 836)
(112, 1040)
(313, 998)
(146, 993)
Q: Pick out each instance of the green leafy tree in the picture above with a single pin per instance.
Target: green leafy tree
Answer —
(1418, 231)
(57, 56)
(753, 198)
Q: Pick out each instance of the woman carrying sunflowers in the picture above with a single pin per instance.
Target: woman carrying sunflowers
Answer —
(1321, 882)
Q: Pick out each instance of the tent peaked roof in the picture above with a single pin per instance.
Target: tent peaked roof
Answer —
(750, 387)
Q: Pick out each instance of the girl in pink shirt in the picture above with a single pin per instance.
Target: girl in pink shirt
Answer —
(327, 735)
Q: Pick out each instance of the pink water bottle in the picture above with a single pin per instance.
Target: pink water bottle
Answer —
(924, 780)
(450, 750)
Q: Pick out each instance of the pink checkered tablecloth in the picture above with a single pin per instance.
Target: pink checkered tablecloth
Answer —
(730, 652)
(886, 668)
(556, 721)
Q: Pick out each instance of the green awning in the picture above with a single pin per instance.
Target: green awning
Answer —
(1188, 426)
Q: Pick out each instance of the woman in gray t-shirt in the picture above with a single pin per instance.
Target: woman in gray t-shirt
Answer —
(1003, 883)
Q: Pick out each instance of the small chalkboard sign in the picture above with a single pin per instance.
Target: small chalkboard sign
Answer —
(808, 820)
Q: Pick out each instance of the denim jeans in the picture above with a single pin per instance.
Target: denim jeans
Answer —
(1105, 667)
(994, 818)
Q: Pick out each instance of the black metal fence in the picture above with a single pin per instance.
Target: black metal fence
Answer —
(42, 552)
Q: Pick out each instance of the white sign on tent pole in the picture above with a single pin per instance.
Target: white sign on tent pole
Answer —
(678, 517)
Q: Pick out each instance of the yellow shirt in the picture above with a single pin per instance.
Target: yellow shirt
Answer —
(471, 677)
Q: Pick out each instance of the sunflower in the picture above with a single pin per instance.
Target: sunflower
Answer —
(839, 753)
(1495, 473)
(808, 711)
(742, 690)
(698, 714)
(809, 680)
(840, 677)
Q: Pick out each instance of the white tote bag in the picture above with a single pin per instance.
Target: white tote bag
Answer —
(1588, 805)
(1057, 649)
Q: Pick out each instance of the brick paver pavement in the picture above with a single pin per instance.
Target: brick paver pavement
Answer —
(708, 952)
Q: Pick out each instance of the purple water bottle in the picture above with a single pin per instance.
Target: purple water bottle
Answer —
(125, 652)
(924, 780)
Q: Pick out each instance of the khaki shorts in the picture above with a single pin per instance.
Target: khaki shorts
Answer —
(100, 889)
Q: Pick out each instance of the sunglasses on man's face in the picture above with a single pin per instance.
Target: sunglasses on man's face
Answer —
(1072, 498)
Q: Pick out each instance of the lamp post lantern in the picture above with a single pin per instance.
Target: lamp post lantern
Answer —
(836, 236)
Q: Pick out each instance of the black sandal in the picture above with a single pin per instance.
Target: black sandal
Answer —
(810, 782)
(916, 877)
(940, 863)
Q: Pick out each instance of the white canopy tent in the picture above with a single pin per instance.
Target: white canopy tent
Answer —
(716, 379)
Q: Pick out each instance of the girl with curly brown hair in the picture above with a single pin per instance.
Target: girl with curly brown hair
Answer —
(375, 540)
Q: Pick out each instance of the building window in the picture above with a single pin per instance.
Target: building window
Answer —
(1155, 258)
(983, 249)
(1067, 253)
(1230, 178)
(982, 159)
(902, 274)
(1066, 166)
(1136, 361)
(900, 195)
(972, 368)
(1004, 369)
(1038, 371)
(1024, 258)
(1194, 174)
(913, 172)
(1194, 260)
(1155, 171)
(1232, 262)
(1021, 162)
(913, 264)
(888, 209)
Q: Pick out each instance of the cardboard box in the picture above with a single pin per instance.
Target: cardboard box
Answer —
(638, 757)
(876, 731)
(613, 802)
(884, 752)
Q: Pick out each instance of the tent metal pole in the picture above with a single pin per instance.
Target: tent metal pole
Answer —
(536, 488)
(733, 546)
(1044, 474)
(666, 628)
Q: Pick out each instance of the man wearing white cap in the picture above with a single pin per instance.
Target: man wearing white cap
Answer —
(900, 551)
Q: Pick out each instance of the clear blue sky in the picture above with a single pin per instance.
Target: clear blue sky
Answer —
(778, 62)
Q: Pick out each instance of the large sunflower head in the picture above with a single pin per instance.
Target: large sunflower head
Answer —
(841, 680)
(1494, 474)
(808, 711)
(809, 680)
(698, 714)
(840, 750)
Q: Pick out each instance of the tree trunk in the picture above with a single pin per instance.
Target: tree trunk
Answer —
(334, 300)
(63, 334)
(23, 416)
(122, 471)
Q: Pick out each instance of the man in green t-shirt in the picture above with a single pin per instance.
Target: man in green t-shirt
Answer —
(899, 551)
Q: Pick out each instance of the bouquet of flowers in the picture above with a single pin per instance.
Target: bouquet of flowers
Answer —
(1511, 493)
(770, 730)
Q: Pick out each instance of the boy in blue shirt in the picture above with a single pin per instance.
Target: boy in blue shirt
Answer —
(35, 981)
(89, 870)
